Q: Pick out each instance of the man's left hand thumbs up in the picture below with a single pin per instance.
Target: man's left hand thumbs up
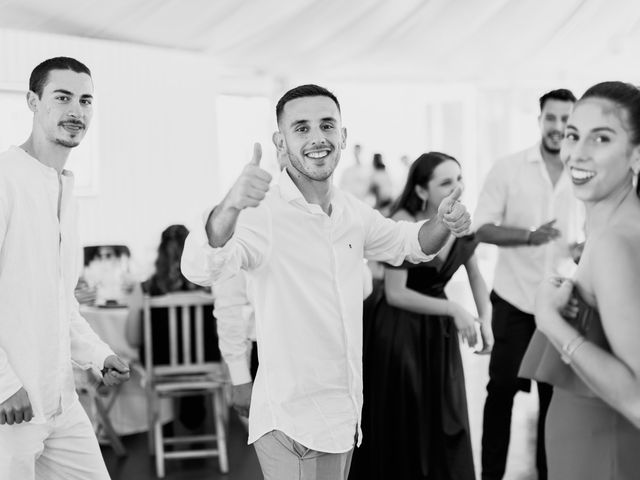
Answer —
(454, 214)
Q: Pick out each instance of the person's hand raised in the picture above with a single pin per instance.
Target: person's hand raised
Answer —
(454, 214)
(544, 234)
(251, 186)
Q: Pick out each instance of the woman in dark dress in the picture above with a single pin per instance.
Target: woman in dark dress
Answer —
(414, 421)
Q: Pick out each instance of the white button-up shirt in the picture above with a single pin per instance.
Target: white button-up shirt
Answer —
(518, 192)
(305, 282)
(236, 323)
(236, 326)
(41, 330)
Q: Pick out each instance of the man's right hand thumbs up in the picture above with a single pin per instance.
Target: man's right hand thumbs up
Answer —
(251, 186)
(257, 154)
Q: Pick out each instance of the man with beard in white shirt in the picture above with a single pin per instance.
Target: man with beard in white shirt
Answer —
(526, 208)
(236, 327)
(302, 246)
(44, 431)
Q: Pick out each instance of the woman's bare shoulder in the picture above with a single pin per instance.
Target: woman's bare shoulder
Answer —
(402, 214)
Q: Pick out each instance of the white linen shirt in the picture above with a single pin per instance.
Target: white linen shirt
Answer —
(236, 326)
(304, 271)
(41, 330)
(518, 192)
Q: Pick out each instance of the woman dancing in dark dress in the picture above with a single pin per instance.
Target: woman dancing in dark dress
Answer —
(414, 421)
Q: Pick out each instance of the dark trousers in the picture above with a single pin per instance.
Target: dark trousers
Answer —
(512, 329)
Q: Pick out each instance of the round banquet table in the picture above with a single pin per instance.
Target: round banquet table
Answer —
(128, 413)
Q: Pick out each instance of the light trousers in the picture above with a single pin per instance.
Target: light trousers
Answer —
(282, 458)
(63, 448)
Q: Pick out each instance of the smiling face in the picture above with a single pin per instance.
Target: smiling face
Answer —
(63, 112)
(312, 136)
(553, 120)
(444, 179)
(597, 149)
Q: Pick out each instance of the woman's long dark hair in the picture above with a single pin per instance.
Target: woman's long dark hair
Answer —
(168, 277)
(420, 173)
(626, 96)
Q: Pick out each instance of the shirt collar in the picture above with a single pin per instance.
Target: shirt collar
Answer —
(533, 154)
(290, 193)
(288, 189)
(34, 162)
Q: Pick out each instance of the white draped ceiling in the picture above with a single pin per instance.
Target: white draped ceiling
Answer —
(378, 40)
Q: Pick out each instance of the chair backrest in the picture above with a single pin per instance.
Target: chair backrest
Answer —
(187, 348)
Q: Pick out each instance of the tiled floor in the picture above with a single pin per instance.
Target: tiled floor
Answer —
(139, 465)
(521, 461)
(244, 466)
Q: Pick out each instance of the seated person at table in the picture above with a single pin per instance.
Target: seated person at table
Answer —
(168, 279)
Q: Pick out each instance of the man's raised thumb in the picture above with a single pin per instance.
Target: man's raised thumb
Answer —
(567, 283)
(453, 196)
(257, 154)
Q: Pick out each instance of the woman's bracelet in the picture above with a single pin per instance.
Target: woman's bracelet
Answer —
(569, 348)
(531, 230)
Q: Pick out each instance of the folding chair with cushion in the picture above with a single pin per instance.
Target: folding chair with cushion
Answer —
(187, 373)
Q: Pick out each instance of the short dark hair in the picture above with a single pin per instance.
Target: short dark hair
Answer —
(561, 94)
(302, 91)
(40, 74)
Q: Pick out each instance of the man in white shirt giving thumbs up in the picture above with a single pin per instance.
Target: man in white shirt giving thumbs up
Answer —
(302, 241)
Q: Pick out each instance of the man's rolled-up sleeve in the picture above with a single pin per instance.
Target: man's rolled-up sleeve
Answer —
(9, 381)
(87, 349)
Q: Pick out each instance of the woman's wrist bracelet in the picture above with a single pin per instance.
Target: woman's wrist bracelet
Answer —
(569, 348)
(529, 236)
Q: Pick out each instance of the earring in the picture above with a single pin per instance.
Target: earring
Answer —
(424, 204)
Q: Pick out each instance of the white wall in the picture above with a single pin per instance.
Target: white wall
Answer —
(156, 133)
(409, 119)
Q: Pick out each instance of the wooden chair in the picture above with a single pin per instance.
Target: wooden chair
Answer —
(186, 374)
(101, 398)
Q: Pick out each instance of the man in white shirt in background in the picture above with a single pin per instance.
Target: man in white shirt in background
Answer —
(302, 247)
(526, 208)
(44, 431)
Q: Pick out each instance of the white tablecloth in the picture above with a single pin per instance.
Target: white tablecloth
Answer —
(110, 325)
(129, 412)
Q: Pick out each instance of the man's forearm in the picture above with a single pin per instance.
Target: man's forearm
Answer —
(432, 236)
(221, 224)
(503, 236)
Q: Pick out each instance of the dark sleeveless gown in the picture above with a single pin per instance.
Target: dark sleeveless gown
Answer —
(414, 420)
(585, 438)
